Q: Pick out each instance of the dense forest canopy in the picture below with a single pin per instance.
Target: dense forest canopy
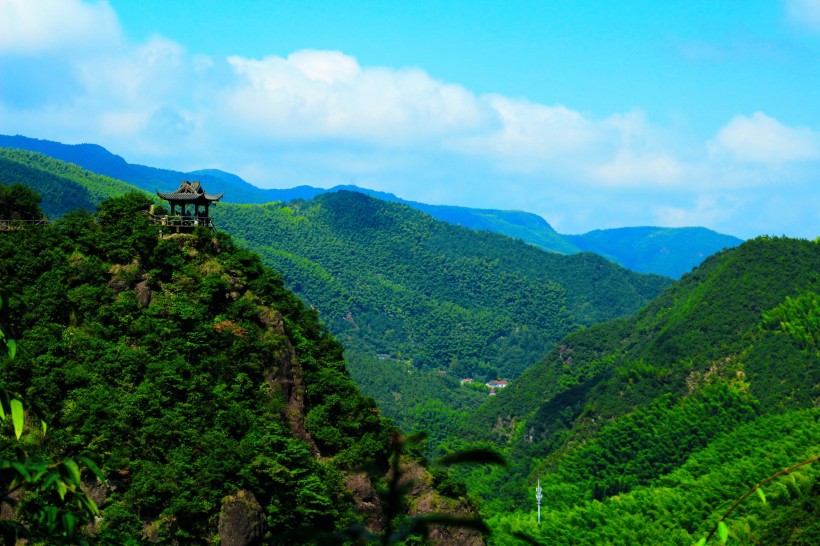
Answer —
(389, 279)
(656, 421)
(189, 369)
(19, 202)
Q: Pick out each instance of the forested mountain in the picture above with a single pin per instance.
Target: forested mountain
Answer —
(654, 424)
(641, 429)
(207, 390)
(664, 251)
(391, 280)
(67, 187)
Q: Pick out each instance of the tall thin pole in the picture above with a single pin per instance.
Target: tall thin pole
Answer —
(538, 496)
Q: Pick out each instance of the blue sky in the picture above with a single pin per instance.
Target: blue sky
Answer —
(593, 114)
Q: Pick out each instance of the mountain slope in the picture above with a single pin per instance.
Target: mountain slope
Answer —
(389, 279)
(205, 387)
(665, 251)
(641, 408)
(67, 186)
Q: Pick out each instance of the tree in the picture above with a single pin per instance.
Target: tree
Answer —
(17, 202)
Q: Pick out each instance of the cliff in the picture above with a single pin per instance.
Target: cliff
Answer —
(217, 403)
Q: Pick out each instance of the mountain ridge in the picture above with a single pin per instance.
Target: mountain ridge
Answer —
(676, 258)
(648, 422)
(390, 279)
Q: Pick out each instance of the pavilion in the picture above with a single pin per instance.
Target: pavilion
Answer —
(189, 206)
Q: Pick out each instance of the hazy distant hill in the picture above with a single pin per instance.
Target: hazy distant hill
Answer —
(653, 422)
(99, 160)
(665, 251)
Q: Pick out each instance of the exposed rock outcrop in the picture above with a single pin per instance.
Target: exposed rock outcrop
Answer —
(143, 292)
(425, 500)
(241, 520)
(367, 500)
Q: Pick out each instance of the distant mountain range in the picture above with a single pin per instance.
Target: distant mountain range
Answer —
(664, 251)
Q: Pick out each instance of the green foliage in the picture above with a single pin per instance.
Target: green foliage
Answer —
(616, 412)
(799, 318)
(388, 279)
(723, 529)
(417, 400)
(66, 187)
(681, 507)
(19, 202)
(29, 485)
(189, 368)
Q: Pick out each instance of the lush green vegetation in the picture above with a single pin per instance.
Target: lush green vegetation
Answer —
(417, 400)
(641, 429)
(189, 369)
(718, 377)
(681, 506)
(388, 279)
(66, 186)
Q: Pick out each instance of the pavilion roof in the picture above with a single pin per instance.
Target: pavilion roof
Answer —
(189, 191)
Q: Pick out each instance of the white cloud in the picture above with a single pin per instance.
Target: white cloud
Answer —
(707, 210)
(156, 69)
(37, 26)
(762, 139)
(319, 95)
(630, 168)
(534, 132)
(804, 12)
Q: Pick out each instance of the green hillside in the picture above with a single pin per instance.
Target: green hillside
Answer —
(389, 279)
(66, 186)
(655, 422)
(656, 408)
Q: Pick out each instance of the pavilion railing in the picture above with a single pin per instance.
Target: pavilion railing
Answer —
(15, 223)
(177, 221)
